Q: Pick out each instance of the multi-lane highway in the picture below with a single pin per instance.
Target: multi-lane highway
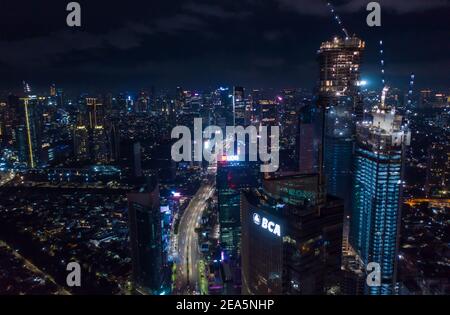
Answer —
(188, 249)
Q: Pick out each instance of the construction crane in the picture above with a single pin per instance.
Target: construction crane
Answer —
(382, 63)
(410, 91)
(338, 19)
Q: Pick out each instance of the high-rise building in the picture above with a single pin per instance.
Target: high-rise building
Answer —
(425, 98)
(131, 158)
(95, 112)
(146, 239)
(290, 107)
(52, 90)
(339, 61)
(239, 107)
(341, 106)
(438, 169)
(232, 177)
(81, 143)
(291, 237)
(268, 112)
(308, 141)
(96, 118)
(377, 190)
(142, 104)
(28, 132)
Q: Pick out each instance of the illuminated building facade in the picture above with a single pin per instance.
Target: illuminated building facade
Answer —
(81, 143)
(291, 237)
(377, 189)
(339, 61)
(239, 107)
(28, 132)
(232, 177)
(438, 170)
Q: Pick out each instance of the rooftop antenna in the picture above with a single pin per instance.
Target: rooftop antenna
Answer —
(338, 19)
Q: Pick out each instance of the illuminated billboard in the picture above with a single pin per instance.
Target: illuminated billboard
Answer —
(267, 224)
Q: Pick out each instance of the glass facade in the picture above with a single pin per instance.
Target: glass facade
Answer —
(232, 176)
(376, 211)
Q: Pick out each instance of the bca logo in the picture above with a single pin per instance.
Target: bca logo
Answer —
(256, 218)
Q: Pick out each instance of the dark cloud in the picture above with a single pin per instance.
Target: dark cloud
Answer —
(200, 42)
(214, 11)
(319, 8)
(43, 50)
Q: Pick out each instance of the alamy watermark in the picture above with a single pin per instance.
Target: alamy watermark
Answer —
(208, 144)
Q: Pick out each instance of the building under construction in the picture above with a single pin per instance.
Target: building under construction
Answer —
(339, 62)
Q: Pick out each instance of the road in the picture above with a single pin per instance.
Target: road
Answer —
(6, 177)
(30, 266)
(188, 249)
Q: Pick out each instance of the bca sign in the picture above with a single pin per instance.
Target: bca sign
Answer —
(267, 224)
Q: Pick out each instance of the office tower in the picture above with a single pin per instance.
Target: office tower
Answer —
(224, 107)
(81, 143)
(10, 119)
(290, 107)
(52, 90)
(28, 132)
(438, 169)
(269, 112)
(425, 98)
(377, 188)
(95, 112)
(269, 117)
(308, 141)
(142, 102)
(99, 150)
(131, 158)
(239, 107)
(145, 238)
(232, 176)
(96, 116)
(291, 237)
(179, 99)
(113, 139)
(60, 97)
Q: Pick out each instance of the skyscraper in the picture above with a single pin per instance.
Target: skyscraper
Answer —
(438, 169)
(339, 61)
(81, 143)
(291, 237)
(377, 188)
(232, 176)
(340, 103)
(239, 107)
(290, 107)
(145, 238)
(28, 132)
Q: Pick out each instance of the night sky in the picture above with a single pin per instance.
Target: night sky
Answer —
(128, 45)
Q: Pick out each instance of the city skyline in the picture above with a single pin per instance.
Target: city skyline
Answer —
(325, 173)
